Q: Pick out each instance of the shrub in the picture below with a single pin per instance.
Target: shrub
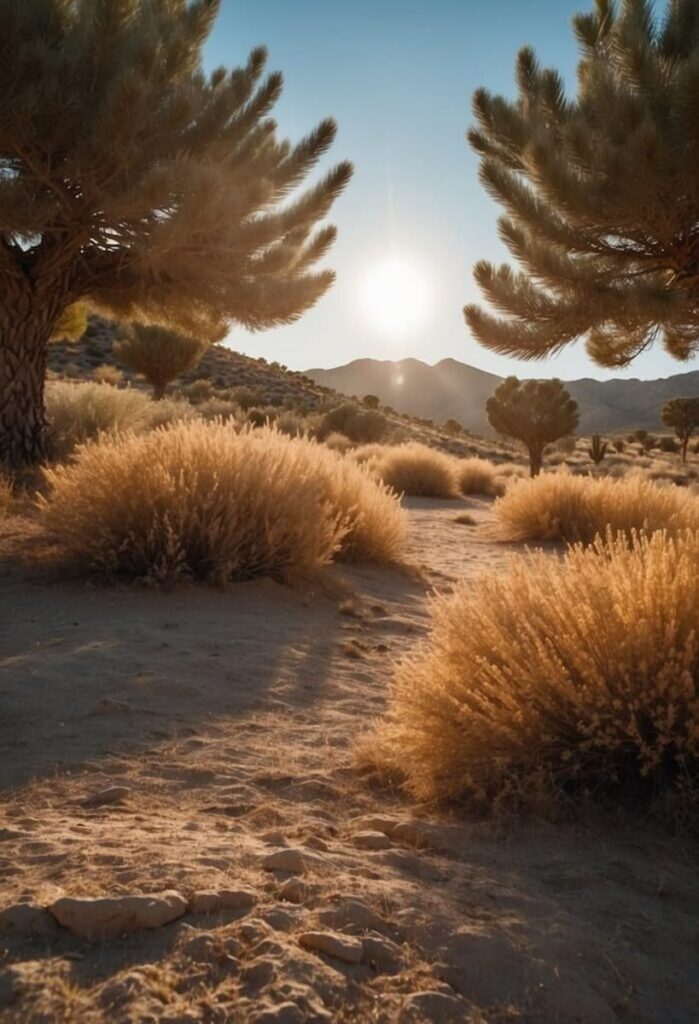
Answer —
(453, 428)
(246, 398)
(535, 412)
(71, 324)
(560, 506)
(81, 412)
(371, 402)
(667, 444)
(106, 374)
(360, 427)
(7, 495)
(478, 476)
(170, 410)
(418, 470)
(338, 442)
(556, 678)
(158, 353)
(199, 390)
(202, 501)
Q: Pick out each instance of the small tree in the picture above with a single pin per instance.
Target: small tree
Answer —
(646, 440)
(618, 444)
(158, 353)
(132, 180)
(535, 412)
(599, 192)
(597, 449)
(453, 428)
(72, 323)
(682, 414)
(371, 401)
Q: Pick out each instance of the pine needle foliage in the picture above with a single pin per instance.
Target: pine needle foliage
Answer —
(535, 412)
(131, 178)
(682, 414)
(601, 192)
(158, 353)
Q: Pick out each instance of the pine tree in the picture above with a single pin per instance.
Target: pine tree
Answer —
(601, 192)
(132, 180)
(682, 414)
(535, 412)
(158, 353)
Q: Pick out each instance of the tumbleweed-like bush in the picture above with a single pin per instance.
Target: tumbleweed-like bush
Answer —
(418, 470)
(479, 476)
(554, 678)
(81, 412)
(200, 500)
(560, 506)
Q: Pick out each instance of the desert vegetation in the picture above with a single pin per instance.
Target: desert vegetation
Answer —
(533, 412)
(560, 506)
(515, 697)
(202, 501)
(418, 470)
(158, 353)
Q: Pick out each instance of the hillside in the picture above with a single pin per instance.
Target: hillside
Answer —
(454, 389)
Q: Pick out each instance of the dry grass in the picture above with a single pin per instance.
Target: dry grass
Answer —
(556, 677)
(7, 496)
(418, 470)
(479, 476)
(81, 412)
(202, 501)
(560, 506)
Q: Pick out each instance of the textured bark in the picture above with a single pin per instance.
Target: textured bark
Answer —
(25, 328)
(536, 455)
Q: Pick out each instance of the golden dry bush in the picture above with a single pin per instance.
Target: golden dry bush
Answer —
(81, 412)
(478, 476)
(560, 506)
(200, 500)
(555, 678)
(418, 470)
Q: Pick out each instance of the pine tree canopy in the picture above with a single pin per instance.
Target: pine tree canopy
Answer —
(133, 180)
(601, 192)
(535, 412)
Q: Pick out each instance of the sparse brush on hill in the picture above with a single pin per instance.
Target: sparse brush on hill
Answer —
(556, 678)
(418, 470)
(202, 501)
(81, 412)
(560, 506)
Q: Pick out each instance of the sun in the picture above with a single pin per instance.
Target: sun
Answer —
(395, 296)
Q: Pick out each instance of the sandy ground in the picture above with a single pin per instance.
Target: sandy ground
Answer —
(229, 719)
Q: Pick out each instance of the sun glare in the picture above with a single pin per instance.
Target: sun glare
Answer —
(395, 296)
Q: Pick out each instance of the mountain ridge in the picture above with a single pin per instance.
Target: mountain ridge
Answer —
(450, 389)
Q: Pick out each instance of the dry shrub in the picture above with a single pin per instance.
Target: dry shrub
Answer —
(418, 470)
(553, 678)
(169, 410)
(202, 501)
(81, 412)
(560, 506)
(107, 374)
(478, 476)
(7, 495)
(336, 442)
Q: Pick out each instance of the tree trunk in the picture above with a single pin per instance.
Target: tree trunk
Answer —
(159, 392)
(685, 443)
(536, 454)
(24, 335)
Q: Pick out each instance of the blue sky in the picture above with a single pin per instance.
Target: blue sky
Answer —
(398, 76)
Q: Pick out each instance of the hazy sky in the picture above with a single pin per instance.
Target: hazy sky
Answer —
(398, 76)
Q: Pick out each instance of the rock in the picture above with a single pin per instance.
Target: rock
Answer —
(352, 914)
(436, 1007)
(415, 833)
(375, 823)
(293, 890)
(205, 902)
(112, 795)
(109, 706)
(27, 919)
(232, 899)
(285, 1013)
(342, 947)
(280, 919)
(258, 974)
(381, 952)
(316, 843)
(293, 860)
(370, 840)
(109, 917)
(7, 834)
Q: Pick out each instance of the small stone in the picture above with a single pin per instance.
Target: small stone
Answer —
(436, 1007)
(380, 952)
(279, 919)
(109, 706)
(285, 1013)
(232, 899)
(289, 859)
(342, 947)
(375, 823)
(352, 914)
(370, 840)
(293, 890)
(205, 902)
(110, 917)
(112, 795)
(316, 843)
(413, 833)
(27, 919)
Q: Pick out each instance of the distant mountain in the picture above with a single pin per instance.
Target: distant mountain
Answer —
(451, 389)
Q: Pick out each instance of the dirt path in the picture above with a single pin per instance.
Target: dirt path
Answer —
(226, 723)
